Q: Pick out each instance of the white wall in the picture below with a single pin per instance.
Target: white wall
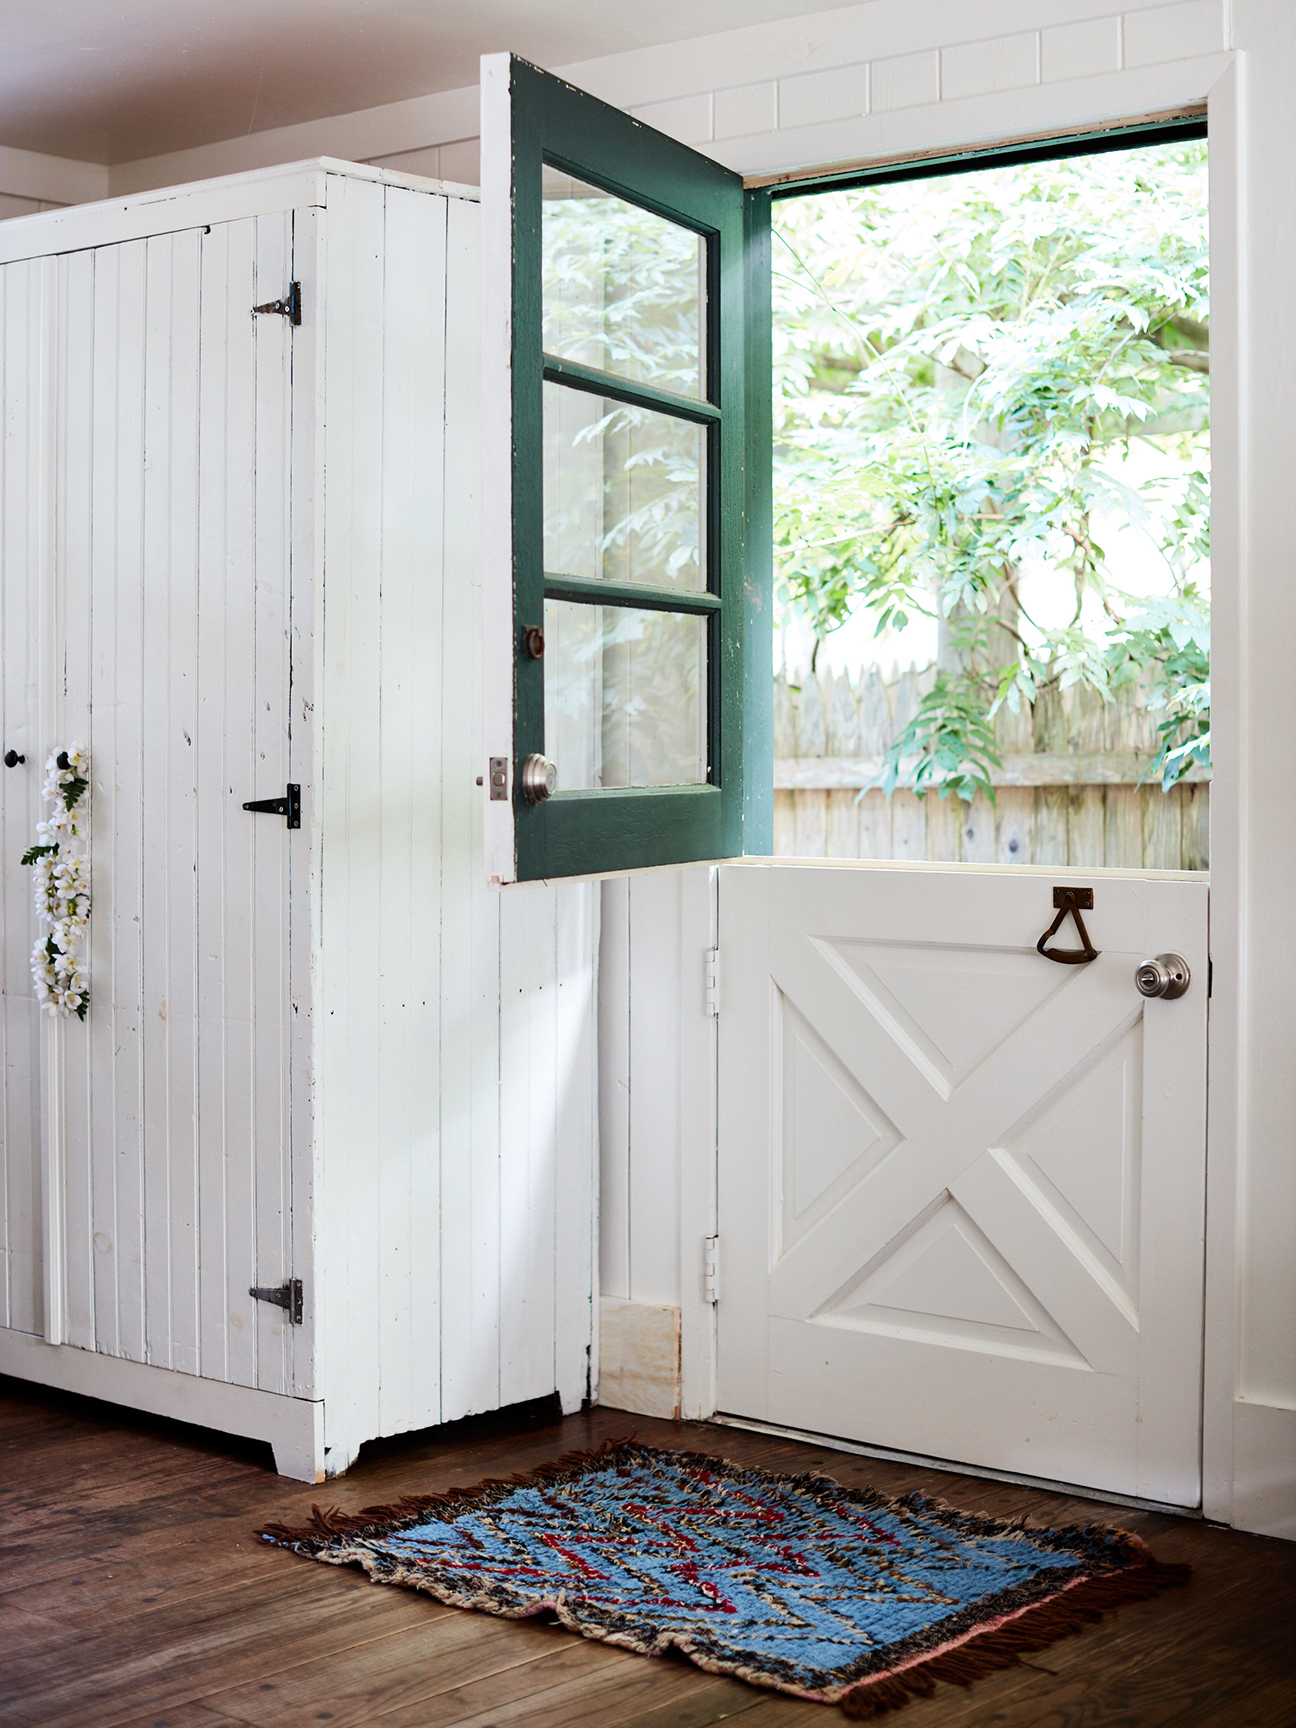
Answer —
(875, 79)
(898, 76)
(31, 181)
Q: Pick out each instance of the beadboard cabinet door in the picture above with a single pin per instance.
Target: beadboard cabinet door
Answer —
(161, 588)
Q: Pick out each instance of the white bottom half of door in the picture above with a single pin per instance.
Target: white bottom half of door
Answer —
(962, 1186)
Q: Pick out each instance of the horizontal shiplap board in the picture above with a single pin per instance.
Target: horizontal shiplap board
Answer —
(905, 81)
(752, 108)
(978, 68)
(1081, 50)
(1036, 110)
(1173, 32)
(849, 36)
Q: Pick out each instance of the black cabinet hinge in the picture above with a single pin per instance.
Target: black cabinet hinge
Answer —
(289, 307)
(287, 1296)
(289, 805)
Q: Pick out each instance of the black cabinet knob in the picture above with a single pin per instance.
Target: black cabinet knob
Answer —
(12, 758)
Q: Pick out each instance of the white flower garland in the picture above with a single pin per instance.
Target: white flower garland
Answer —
(62, 885)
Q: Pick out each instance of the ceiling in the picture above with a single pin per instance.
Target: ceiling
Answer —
(115, 80)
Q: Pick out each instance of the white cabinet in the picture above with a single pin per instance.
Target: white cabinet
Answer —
(242, 554)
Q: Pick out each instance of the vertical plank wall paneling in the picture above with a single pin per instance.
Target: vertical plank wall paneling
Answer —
(655, 906)
(168, 787)
(269, 840)
(455, 1049)
(348, 984)
(575, 1012)
(116, 473)
(641, 1101)
(24, 438)
(306, 556)
(614, 1089)
(226, 1352)
(229, 839)
(409, 834)
(528, 1085)
(75, 446)
(468, 914)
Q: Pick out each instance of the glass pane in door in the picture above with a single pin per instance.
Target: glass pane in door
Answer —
(622, 492)
(625, 696)
(622, 288)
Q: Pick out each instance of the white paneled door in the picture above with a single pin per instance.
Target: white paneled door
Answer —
(154, 625)
(961, 1186)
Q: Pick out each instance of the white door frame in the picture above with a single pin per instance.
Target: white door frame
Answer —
(1230, 800)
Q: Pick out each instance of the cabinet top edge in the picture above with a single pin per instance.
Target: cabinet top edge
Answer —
(166, 209)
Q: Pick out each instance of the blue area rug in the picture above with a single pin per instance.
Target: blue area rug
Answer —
(833, 1594)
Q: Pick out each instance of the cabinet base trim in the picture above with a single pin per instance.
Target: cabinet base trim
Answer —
(294, 1427)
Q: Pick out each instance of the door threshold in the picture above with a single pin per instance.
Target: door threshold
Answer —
(955, 1469)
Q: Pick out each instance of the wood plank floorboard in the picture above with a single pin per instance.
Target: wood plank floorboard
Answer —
(133, 1594)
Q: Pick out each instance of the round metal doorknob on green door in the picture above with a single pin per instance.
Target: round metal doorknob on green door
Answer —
(539, 779)
(1167, 977)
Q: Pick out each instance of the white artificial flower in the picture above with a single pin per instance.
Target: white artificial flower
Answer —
(60, 889)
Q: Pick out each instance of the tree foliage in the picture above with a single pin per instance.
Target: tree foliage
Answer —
(962, 365)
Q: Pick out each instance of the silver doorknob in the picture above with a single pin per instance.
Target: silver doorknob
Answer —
(1167, 977)
(539, 779)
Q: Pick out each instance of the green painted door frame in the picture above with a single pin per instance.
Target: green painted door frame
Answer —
(586, 832)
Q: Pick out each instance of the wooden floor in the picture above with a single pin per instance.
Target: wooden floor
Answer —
(133, 1592)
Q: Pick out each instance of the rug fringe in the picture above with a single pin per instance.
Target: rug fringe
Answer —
(1032, 1630)
(328, 1521)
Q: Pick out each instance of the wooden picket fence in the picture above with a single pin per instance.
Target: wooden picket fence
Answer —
(1069, 791)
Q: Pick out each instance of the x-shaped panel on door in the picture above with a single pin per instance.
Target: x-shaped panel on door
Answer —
(972, 1145)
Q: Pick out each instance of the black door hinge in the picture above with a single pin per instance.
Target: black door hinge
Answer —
(288, 1296)
(289, 805)
(289, 307)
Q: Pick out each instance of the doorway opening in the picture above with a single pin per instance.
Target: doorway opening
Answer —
(992, 423)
